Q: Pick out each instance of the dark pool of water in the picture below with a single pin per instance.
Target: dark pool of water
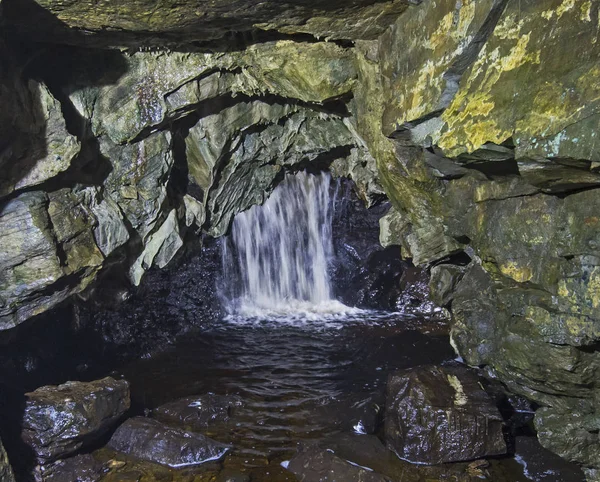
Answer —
(301, 380)
(294, 376)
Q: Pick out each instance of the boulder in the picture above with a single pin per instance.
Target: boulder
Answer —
(198, 412)
(60, 420)
(438, 414)
(151, 440)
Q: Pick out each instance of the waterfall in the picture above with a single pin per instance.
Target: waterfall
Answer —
(276, 258)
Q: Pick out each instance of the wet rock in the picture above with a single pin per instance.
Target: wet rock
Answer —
(198, 412)
(414, 296)
(375, 282)
(6, 473)
(81, 468)
(151, 440)
(437, 414)
(573, 434)
(316, 464)
(354, 413)
(60, 420)
(542, 465)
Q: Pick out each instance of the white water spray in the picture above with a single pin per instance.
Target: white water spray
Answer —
(280, 252)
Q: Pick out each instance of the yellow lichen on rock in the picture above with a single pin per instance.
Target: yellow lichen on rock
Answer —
(557, 89)
(514, 270)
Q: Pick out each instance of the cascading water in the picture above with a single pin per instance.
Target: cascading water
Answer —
(276, 259)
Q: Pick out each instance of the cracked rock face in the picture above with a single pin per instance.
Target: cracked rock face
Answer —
(158, 22)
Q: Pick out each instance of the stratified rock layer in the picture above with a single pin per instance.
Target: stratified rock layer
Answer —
(176, 22)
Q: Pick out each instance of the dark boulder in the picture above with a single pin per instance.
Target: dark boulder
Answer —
(198, 412)
(60, 420)
(82, 468)
(151, 440)
(438, 414)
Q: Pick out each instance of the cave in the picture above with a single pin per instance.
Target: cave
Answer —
(299, 241)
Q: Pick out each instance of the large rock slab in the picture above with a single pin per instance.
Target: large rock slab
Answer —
(43, 148)
(438, 414)
(506, 93)
(60, 420)
(48, 251)
(149, 21)
(151, 440)
(198, 412)
(424, 54)
(28, 256)
(35, 144)
(156, 88)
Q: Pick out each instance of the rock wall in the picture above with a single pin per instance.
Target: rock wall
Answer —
(488, 147)
(478, 119)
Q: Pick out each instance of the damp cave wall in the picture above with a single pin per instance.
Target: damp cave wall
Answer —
(123, 137)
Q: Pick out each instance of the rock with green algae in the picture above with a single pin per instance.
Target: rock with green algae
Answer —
(6, 473)
(159, 87)
(258, 157)
(527, 84)
(424, 54)
(573, 434)
(159, 248)
(152, 22)
(214, 136)
(138, 179)
(28, 257)
(36, 145)
(52, 245)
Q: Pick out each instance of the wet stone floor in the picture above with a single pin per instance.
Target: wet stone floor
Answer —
(302, 382)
